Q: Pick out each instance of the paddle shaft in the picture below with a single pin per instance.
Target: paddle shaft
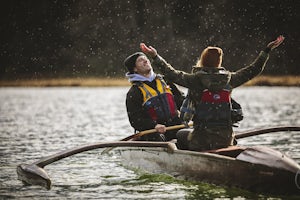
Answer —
(139, 134)
(239, 135)
(265, 130)
(169, 128)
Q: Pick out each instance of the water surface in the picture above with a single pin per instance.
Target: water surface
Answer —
(36, 122)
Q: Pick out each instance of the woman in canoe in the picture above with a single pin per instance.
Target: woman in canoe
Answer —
(210, 89)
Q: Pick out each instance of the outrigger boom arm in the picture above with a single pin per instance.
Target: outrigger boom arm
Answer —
(34, 174)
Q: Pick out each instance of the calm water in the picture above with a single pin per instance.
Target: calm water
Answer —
(36, 122)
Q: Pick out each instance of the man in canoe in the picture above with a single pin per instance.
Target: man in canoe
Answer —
(210, 89)
(151, 103)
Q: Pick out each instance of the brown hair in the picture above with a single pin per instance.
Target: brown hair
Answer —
(210, 57)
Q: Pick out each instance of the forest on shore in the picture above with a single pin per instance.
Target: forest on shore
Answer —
(81, 39)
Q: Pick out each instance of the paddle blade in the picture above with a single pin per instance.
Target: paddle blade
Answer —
(33, 175)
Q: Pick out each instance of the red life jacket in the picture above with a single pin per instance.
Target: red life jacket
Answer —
(159, 103)
(214, 109)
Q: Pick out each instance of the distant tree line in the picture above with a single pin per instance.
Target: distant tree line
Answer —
(82, 38)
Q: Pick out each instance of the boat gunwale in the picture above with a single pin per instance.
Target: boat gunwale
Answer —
(171, 149)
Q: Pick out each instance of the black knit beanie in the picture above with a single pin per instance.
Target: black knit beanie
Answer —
(129, 62)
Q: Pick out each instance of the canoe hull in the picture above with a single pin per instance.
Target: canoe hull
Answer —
(252, 172)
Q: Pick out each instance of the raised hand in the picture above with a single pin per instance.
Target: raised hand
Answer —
(148, 50)
(272, 45)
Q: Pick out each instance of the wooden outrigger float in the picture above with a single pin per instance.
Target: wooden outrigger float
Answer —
(258, 169)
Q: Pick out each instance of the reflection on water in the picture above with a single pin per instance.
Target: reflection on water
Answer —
(36, 122)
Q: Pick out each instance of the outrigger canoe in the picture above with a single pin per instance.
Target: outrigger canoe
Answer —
(259, 169)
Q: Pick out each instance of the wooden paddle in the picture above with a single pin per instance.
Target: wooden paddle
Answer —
(169, 128)
(139, 134)
(239, 135)
(34, 174)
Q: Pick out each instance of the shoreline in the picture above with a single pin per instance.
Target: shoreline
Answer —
(66, 82)
(113, 82)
